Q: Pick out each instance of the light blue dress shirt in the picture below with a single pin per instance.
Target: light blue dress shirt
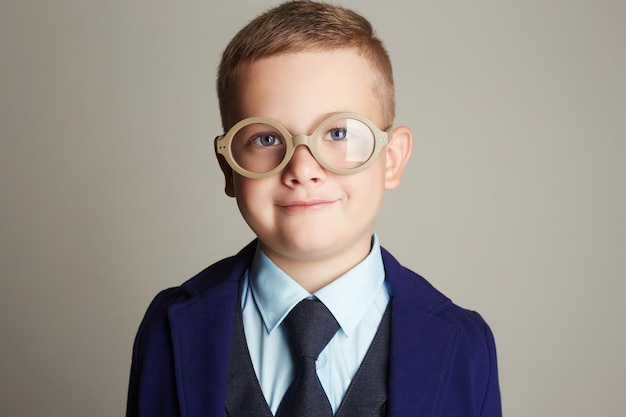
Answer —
(357, 300)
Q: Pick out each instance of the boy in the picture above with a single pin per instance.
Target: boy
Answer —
(307, 104)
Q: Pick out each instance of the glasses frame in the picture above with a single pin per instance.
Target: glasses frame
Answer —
(224, 141)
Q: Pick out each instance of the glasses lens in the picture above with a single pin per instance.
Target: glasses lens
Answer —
(345, 143)
(258, 147)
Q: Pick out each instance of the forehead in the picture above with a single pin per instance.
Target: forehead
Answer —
(300, 89)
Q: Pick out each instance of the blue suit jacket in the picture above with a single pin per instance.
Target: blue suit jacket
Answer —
(442, 357)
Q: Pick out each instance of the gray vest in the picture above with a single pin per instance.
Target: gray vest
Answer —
(366, 395)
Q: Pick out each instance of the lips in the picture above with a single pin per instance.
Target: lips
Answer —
(306, 205)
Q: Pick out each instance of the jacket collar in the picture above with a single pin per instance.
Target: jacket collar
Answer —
(423, 345)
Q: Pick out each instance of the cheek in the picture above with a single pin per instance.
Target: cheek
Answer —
(246, 188)
(252, 195)
(365, 193)
(369, 183)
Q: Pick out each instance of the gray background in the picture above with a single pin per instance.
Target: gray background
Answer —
(513, 203)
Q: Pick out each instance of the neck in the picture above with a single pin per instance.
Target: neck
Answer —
(315, 272)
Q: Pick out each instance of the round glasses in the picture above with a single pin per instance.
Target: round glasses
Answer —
(344, 143)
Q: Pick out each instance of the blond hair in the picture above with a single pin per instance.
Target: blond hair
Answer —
(298, 26)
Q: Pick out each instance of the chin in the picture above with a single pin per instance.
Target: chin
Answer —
(305, 248)
(310, 248)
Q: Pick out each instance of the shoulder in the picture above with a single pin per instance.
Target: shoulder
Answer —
(419, 299)
(411, 287)
(227, 271)
(432, 333)
(207, 293)
(221, 276)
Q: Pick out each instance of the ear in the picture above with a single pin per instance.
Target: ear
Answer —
(228, 175)
(398, 152)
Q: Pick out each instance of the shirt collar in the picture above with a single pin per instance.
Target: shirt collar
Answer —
(348, 297)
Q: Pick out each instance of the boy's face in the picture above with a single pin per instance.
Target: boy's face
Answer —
(305, 212)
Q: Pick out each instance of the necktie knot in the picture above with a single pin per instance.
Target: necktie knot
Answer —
(311, 326)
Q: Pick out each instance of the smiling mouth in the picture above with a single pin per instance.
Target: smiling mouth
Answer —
(306, 205)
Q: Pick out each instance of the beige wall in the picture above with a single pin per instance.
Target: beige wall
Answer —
(513, 205)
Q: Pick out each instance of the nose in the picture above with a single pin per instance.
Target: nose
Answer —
(303, 168)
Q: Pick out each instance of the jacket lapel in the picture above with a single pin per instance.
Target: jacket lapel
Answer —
(201, 335)
(423, 345)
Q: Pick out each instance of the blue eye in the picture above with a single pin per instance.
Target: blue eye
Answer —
(338, 134)
(267, 139)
